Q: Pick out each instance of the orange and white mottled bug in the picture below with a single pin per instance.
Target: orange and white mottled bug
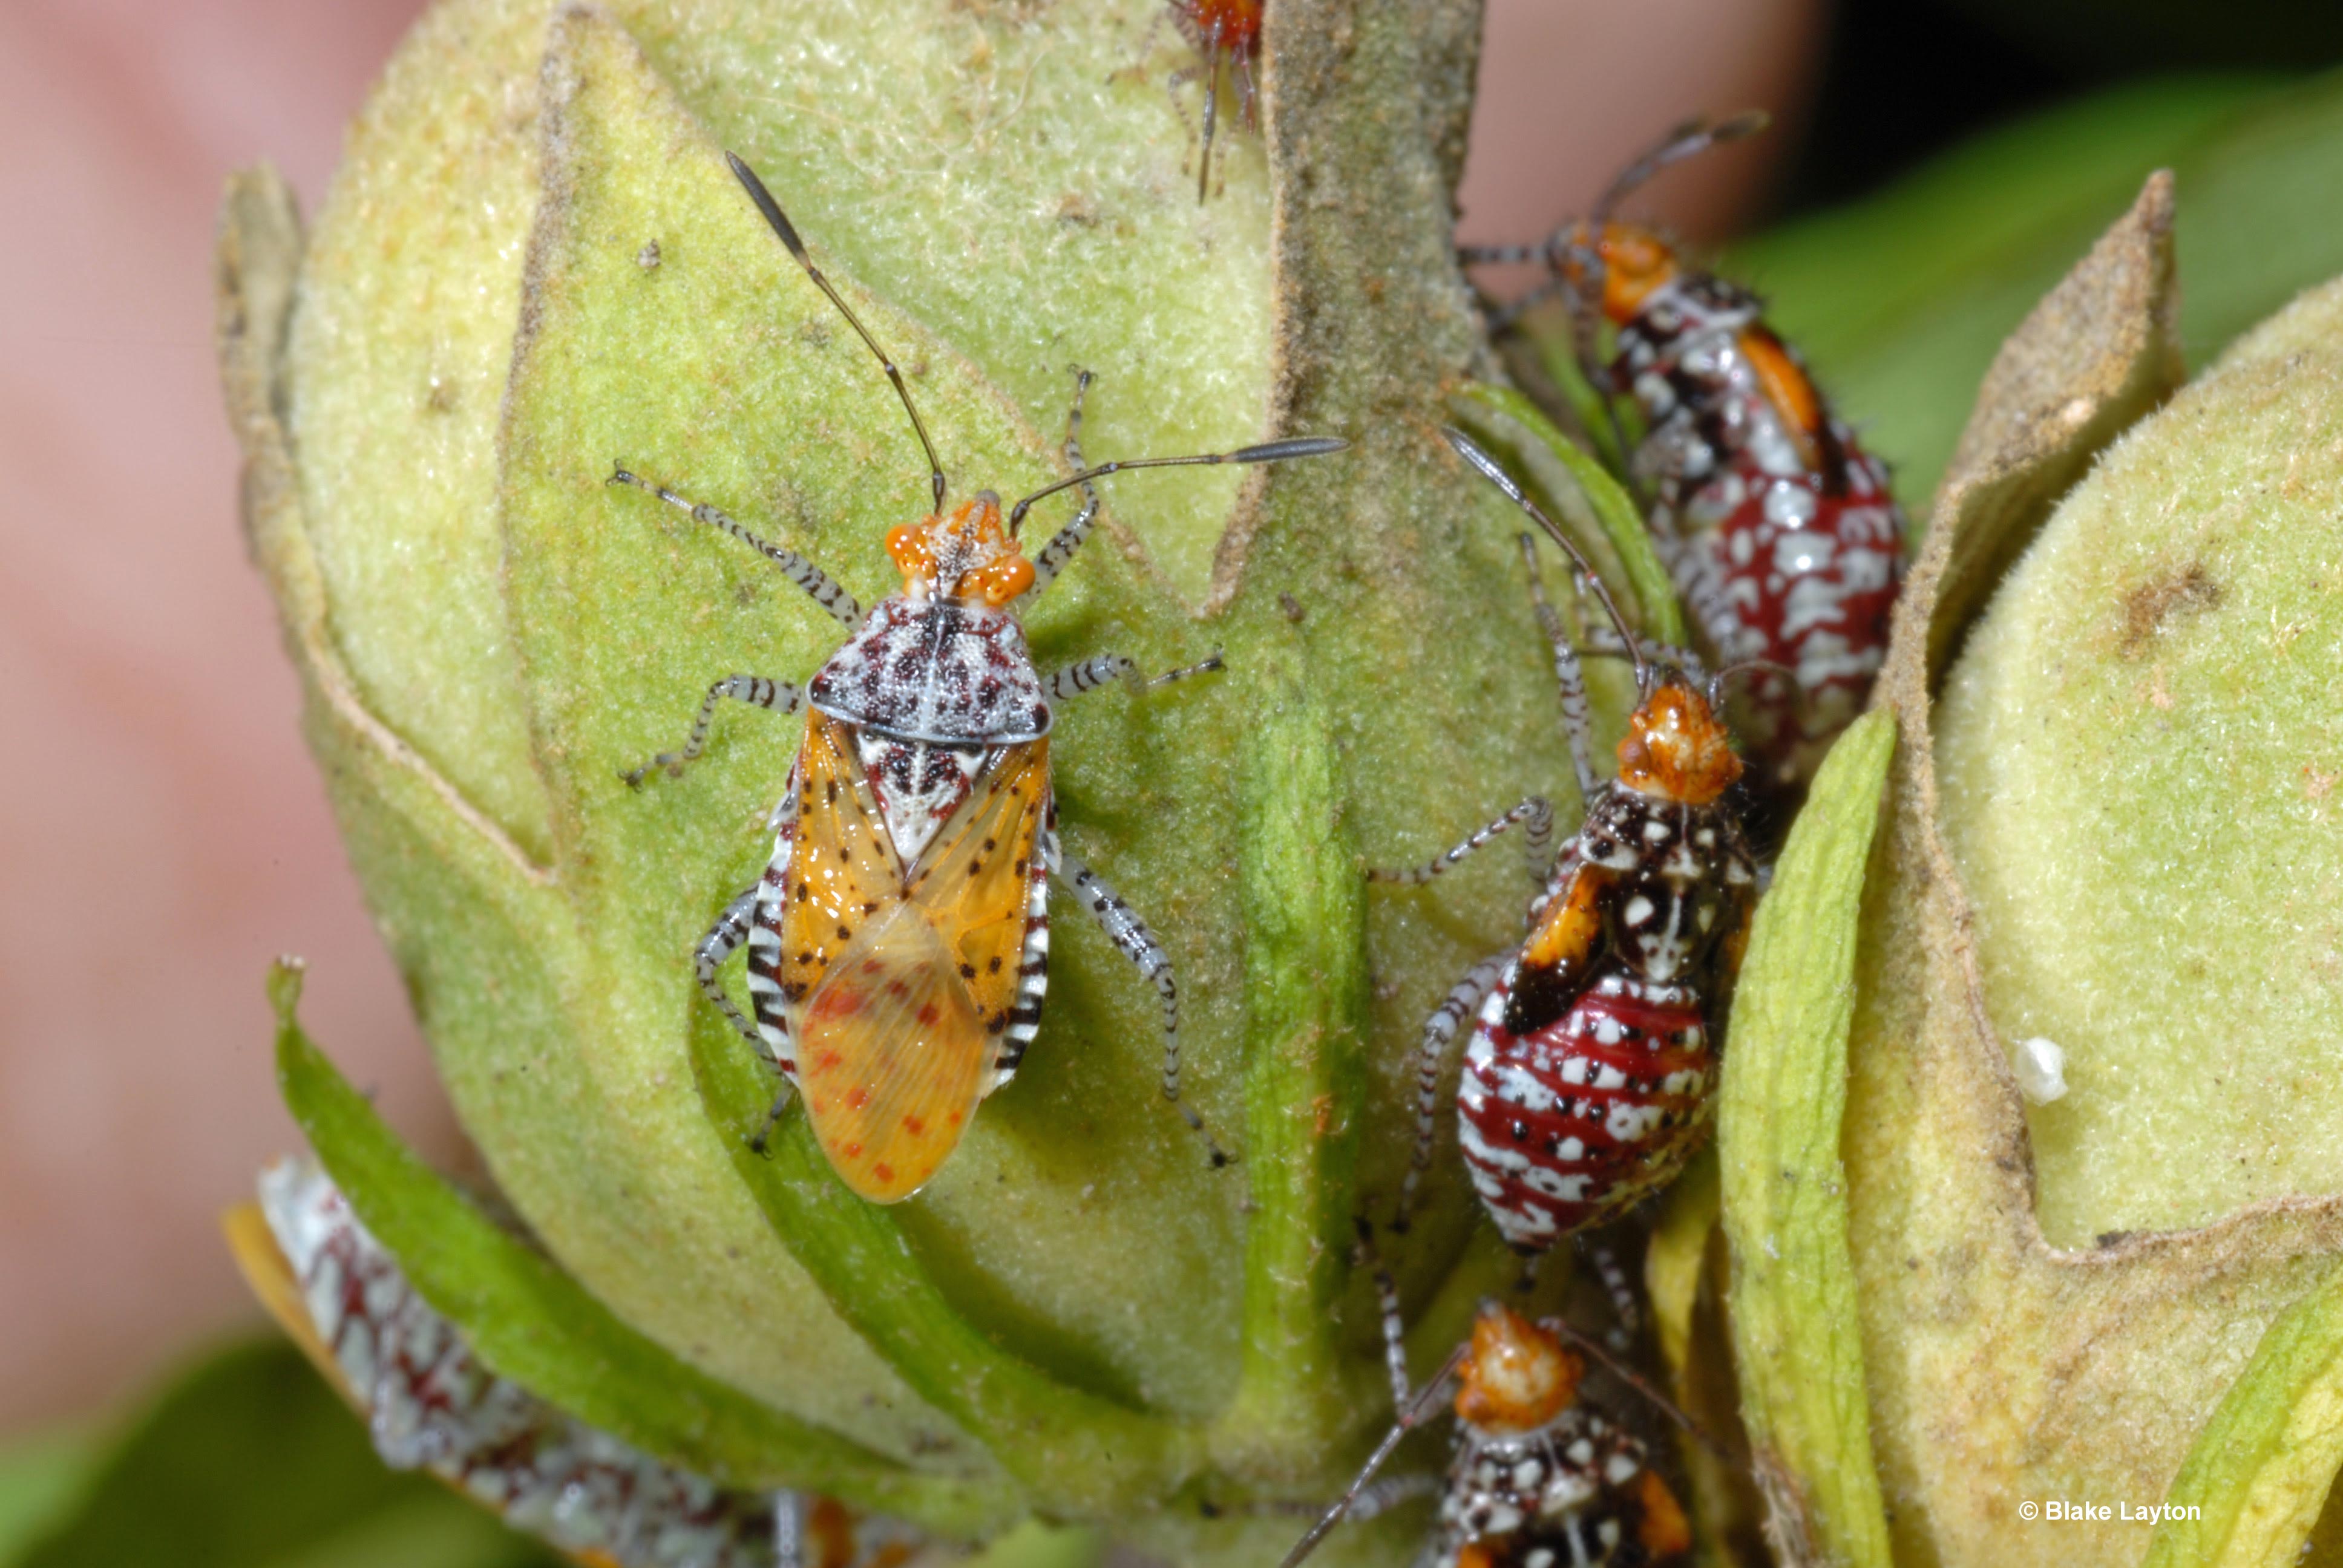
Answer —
(898, 937)
(429, 1403)
(1589, 1075)
(1540, 1478)
(1221, 30)
(1782, 536)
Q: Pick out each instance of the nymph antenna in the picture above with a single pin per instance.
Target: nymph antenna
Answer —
(1267, 452)
(1473, 453)
(1694, 136)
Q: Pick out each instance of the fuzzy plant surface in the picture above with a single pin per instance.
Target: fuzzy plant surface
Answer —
(2091, 806)
(534, 264)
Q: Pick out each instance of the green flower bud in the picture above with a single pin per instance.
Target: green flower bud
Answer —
(2106, 829)
(534, 263)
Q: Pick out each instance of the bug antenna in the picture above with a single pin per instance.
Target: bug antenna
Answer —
(1694, 136)
(1266, 452)
(1212, 107)
(1473, 453)
(1716, 681)
(1657, 1399)
(1409, 1419)
(788, 234)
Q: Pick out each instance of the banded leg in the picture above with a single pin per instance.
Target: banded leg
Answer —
(1068, 539)
(1130, 933)
(1439, 1035)
(1577, 719)
(1534, 812)
(772, 696)
(1090, 674)
(725, 938)
(1387, 1309)
(789, 1530)
(1627, 1315)
(816, 582)
(1414, 1407)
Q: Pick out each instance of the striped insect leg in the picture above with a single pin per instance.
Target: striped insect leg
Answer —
(1569, 1126)
(1577, 719)
(1061, 547)
(1130, 933)
(772, 696)
(1534, 812)
(1090, 674)
(723, 940)
(817, 583)
(1439, 1035)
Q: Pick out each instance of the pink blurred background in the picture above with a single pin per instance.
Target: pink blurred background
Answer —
(163, 833)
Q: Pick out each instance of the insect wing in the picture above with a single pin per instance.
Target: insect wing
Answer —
(844, 873)
(973, 886)
(1554, 960)
(896, 1043)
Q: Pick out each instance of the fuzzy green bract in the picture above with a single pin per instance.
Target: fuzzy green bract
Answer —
(534, 265)
(1079, 1316)
(1784, 1192)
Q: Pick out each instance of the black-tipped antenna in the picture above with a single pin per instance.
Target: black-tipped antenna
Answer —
(1267, 452)
(1466, 449)
(780, 224)
(1409, 1419)
(1694, 136)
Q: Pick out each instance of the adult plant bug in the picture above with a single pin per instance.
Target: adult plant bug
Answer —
(1781, 532)
(1589, 1074)
(899, 937)
(1539, 1478)
(1221, 30)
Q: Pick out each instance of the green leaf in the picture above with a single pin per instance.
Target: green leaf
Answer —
(247, 1460)
(1657, 614)
(1793, 1295)
(1072, 1451)
(530, 1322)
(2261, 1469)
(40, 1477)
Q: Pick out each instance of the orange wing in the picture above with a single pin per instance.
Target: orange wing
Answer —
(1569, 926)
(896, 1045)
(1789, 389)
(892, 1057)
(844, 873)
(973, 884)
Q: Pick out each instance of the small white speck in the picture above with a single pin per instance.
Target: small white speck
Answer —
(2041, 1069)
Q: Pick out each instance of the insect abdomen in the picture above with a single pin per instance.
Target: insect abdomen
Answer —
(1566, 1127)
(1783, 535)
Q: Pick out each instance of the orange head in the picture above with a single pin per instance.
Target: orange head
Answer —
(1677, 748)
(968, 556)
(1634, 261)
(1518, 1376)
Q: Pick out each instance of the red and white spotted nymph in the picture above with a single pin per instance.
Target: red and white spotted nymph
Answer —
(1590, 1073)
(1781, 531)
(1540, 1478)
